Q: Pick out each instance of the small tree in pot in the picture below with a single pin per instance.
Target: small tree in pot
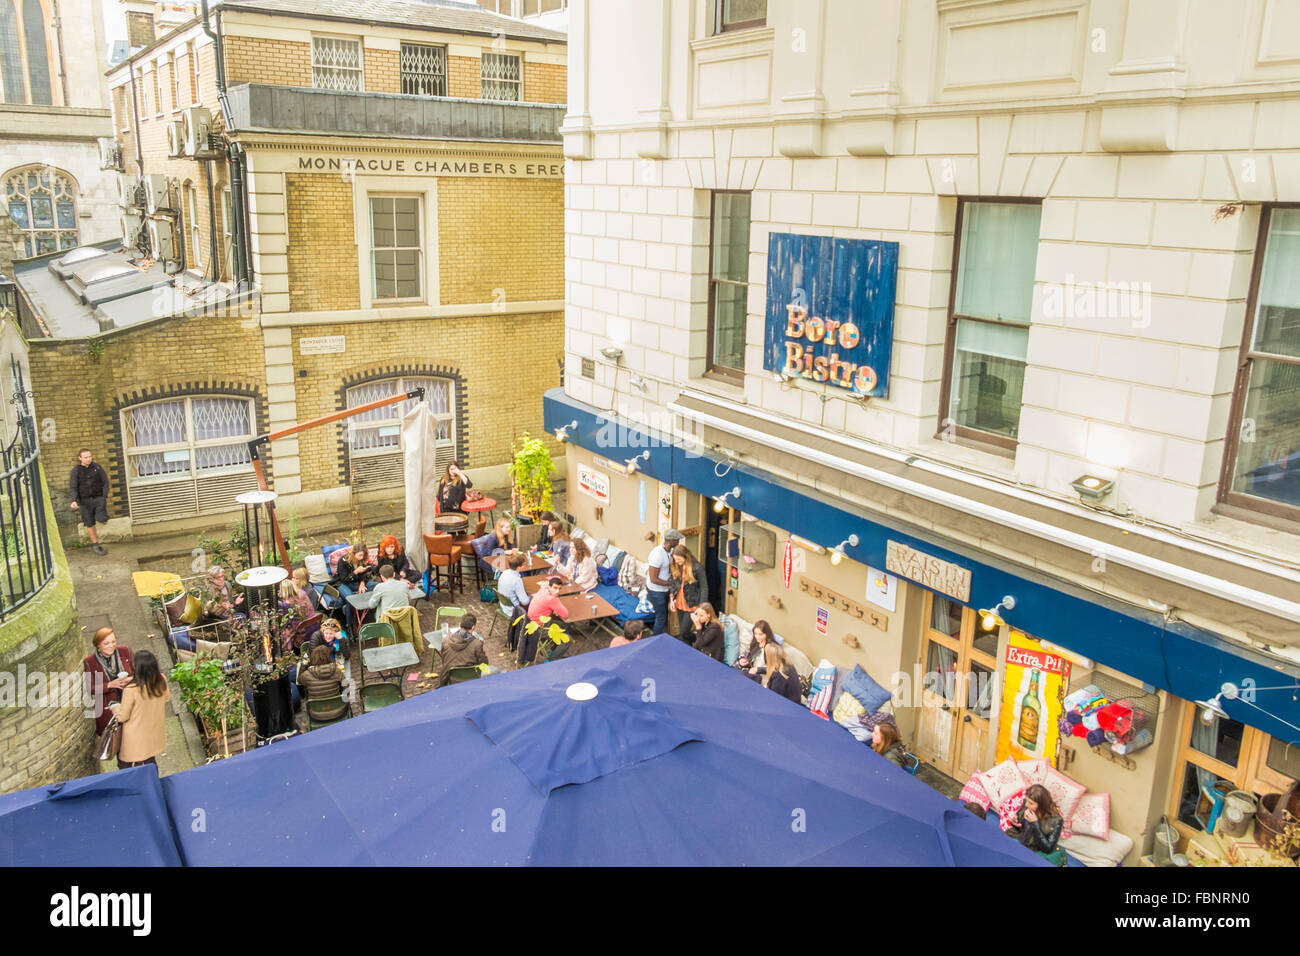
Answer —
(531, 471)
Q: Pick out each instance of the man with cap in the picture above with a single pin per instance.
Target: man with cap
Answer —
(659, 578)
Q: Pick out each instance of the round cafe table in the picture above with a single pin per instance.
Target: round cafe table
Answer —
(483, 504)
(451, 523)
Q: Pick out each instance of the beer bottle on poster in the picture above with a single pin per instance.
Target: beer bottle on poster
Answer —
(1031, 711)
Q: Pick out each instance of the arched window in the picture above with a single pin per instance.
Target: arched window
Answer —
(42, 200)
(38, 58)
(374, 437)
(12, 87)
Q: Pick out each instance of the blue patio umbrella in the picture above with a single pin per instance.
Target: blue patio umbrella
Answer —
(647, 754)
(110, 819)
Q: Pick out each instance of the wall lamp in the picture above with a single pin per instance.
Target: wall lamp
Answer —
(1212, 709)
(721, 504)
(807, 545)
(636, 381)
(1092, 487)
(612, 352)
(991, 618)
(837, 555)
(633, 464)
(562, 433)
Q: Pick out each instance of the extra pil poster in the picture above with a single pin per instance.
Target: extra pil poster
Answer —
(1033, 698)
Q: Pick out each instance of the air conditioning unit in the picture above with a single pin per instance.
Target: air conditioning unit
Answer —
(176, 139)
(198, 133)
(110, 154)
(155, 194)
(162, 240)
(131, 225)
(129, 191)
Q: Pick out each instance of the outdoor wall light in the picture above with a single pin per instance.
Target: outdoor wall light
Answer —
(1212, 709)
(562, 433)
(837, 555)
(721, 504)
(992, 618)
(807, 545)
(1092, 487)
(612, 352)
(636, 381)
(633, 464)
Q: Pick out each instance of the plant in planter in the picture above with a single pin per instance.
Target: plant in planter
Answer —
(554, 639)
(530, 472)
(296, 555)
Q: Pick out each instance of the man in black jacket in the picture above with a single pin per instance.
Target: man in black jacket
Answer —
(88, 488)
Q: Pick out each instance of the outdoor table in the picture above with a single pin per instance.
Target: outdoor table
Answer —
(388, 658)
(587, 606)
(534, 563)
(451, 523)
(483, 504)
(535, 583)
(361, 603)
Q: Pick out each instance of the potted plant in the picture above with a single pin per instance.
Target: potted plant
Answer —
(217, 703)
(530, 472)
(554, 638)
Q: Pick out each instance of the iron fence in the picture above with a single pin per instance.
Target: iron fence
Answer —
(24, 532)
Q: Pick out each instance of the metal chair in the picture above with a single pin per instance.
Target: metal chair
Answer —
(506, 612)
(458, 675)
(378, 629)
(303, 630)
(327, 705)
(455, 612)
(916, 763)
(375, 696)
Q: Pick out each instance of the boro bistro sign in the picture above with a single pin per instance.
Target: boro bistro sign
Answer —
(830, 310)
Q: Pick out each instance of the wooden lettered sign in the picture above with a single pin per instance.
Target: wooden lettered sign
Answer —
(925, 569)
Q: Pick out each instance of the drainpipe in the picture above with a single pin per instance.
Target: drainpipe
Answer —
(239, 229)
(135, 117)
(57, 23)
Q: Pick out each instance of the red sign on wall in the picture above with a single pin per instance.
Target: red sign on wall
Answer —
(787, 565)
(1026, 657)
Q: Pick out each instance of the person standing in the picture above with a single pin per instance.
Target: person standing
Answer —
(659, 578)
(108, 670)
(88, 490)
(690, 590)
(143, 714)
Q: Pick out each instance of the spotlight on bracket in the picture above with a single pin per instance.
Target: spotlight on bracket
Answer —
(612, 352)
(562, 433)
(837, 554)
(721, 504)
(991, 618)
(633, 464)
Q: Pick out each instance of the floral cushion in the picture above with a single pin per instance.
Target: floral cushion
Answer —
(974, 792)
(1065, 794)
(1003, 782)
(1092, 816)
(848, 709)
(1034, 771)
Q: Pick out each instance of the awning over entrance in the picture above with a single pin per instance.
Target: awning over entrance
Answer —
(1188, 662)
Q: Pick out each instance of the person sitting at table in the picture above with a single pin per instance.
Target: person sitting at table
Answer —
(306, 587)
(496, 541)
(294, 609)
(332, 636)
(389, 593)
(321, 678)
(690, 589)
(511, 583)
(632, 631)
(451, 490)
(560, 544)
(755, 664)
(461, 648)
(581, 568)
(545, 519)
(546, 603)
(221, 605)
(390, 552)
(351, 571)
(886, 742)
(779, 673)
(708, 631)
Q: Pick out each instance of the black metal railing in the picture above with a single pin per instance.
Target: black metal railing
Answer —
(24, 533)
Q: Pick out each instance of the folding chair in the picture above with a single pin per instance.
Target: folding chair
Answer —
(506, 612)
(375, 696)
(455, 612)
(326, 705)
(458, 675)
(374, 634)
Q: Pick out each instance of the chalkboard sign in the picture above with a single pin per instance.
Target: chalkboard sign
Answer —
(830, 310)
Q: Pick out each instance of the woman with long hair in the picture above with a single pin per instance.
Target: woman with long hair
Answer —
(581, 568)
(689, 590)
(781, 675)
(390, 552)
(451, 490)
(708, 631)
(754, 662)
(143, 714)
(886, 742)
(1038, 824)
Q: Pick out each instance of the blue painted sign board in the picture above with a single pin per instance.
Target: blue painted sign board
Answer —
(830, 310)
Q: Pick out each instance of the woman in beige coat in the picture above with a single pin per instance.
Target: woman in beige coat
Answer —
(143, 714)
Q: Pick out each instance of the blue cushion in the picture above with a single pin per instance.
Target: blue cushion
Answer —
(608, 575)
(865, 690)
(623, 602)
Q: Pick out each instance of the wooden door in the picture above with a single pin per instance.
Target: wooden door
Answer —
(959, 666)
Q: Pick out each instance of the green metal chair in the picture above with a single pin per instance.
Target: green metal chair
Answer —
(326, 705)
(458, 675)
(375, 696)
(505, 612)
(455, 612)
(378, 629)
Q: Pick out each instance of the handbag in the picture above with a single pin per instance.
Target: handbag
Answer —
(473, 495)
(110, 741)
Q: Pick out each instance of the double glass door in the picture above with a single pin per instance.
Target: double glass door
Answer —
(959, 661)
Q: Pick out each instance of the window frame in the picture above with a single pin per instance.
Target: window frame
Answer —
(157, 90)
(987, 441)
(192, 209)
(190, 444)
(175, 78)
(1243, 505)
(31, 231)
(720, 27)
(227, 264)
(421, 265)
(195, 75)
(726, 373)
(518, 55)
(360, 70)
(403, 383)
(402, 73)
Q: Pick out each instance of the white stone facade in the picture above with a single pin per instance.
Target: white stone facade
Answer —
(1132, 123)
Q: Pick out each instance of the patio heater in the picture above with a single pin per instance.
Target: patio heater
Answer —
(272, 698)
(259, 510)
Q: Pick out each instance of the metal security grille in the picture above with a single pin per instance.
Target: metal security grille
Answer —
(424, 69)
(336, 64)
(502, 77)
(375, 437)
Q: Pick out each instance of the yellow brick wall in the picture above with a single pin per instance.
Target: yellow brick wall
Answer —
(323, 271)
(545, 83)
(505, 234)
(463, 77)
(78, 393)
(274, 62)
(499, 400)
(383, 71)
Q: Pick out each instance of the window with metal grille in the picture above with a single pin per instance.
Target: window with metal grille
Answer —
(424, 69)
(336, 64)
(375, 438)
(187, 456)
(42, 201)
(502, 76)
(395, 253)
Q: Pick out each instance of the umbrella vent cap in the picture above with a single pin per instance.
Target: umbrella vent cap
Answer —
(581, 690)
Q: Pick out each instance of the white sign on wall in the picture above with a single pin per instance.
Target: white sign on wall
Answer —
(322, 345)
(882, 589)
(593, 484)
